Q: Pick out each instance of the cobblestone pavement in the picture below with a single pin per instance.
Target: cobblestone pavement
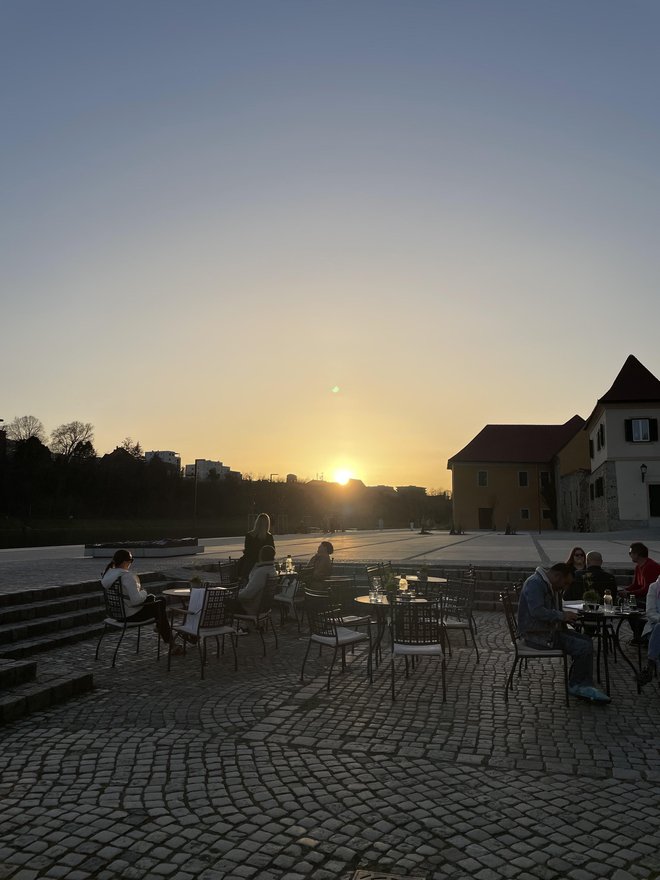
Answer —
(253, 775)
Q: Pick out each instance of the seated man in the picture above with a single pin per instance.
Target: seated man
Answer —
(647, 571)
(592, 578)
(539, 623)
(321, 564)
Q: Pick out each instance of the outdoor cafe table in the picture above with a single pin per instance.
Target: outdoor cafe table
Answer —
(600, 620)
(380, 606)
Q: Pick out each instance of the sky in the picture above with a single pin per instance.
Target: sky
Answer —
(300, 236)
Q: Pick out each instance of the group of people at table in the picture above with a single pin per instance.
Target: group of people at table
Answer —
(255, 567)
(543, 621)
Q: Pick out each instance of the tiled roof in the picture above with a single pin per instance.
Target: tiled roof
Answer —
(524, 444)
(634, 384)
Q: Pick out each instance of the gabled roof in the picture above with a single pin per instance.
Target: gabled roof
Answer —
(524, 444)
(634, 384)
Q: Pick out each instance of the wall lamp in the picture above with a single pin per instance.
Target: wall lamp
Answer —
(643, 469)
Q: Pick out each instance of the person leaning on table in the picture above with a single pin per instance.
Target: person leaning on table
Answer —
(138, 604)
(647, 571)
(539, 620)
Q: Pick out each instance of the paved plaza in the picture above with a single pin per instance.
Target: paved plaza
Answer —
(252, 774)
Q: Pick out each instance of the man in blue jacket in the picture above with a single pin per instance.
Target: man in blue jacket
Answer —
(540, 619)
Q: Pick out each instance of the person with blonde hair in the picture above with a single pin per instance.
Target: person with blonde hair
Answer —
(259, 536)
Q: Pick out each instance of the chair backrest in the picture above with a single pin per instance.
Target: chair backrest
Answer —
(228, 571)
(214, 609)
(416, 623)
(507, 598)
(113, 598)
(457, 600)
(322, 615)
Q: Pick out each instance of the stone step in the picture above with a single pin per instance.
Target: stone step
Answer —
(19, 613)
(47, 642)
(15, 672)
(12, 633)
(47, 690)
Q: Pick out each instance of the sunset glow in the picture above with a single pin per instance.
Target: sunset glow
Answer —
(342, 476)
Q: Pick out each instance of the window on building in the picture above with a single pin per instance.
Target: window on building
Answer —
(591, 448)
(545, 479)
(482, 478)
(641, 430)
(598, 488)
(523, 479)
(524, 513)
(601, 436)
(545, 513)
(591, 491)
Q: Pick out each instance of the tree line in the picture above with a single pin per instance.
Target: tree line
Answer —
(67, 480)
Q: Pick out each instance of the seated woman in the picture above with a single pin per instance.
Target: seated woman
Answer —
(138, 604)
(321, 564)
(652, 629)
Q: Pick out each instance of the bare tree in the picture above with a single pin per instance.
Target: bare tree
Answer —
(24, 427)
(133, 449)
(65, 438)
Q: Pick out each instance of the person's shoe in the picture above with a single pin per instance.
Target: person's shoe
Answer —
(241, 631)
(588, 692)
(644, 677)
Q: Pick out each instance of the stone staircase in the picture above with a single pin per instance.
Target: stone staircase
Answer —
(33, 621)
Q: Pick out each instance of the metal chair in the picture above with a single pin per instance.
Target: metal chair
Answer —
(457, 610)
(205, 618)
(290, 598)
(117, 619)
(327, 631)
(523, 652)
(264, 616)
(416, 631)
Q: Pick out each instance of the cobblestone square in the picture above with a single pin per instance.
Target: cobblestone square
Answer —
(255, 775)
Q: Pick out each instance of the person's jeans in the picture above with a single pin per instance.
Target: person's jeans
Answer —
(579, 648)
(654, 643)
(155, 608)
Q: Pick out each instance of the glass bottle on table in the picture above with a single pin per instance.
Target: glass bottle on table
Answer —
(608, 604)
(289, 564)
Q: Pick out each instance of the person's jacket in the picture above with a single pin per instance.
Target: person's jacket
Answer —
(250, 595)
(538, 614)
(133, 596)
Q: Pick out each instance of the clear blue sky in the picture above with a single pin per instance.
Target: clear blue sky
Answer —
(214, 213)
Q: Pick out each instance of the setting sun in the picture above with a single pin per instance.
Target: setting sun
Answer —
(342, 476)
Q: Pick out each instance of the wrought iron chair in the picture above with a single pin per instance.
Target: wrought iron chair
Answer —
(457, 610)
(327, 631)
(290, 598)
(116, 619)
(416, 631)
(523, 652)
(205, 618)
(264, 615)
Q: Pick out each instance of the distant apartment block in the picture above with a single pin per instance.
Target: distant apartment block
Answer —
(207, 469)
(166, 457)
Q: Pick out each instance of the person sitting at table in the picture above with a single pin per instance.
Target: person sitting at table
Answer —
(138, 604)
(593, 577)
(646, 572)
(258, 537)
(321, 564)
(652, 630)
(577, 559)
(540, 623)
(249, 596)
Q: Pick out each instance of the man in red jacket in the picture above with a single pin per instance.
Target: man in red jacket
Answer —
(647, 571)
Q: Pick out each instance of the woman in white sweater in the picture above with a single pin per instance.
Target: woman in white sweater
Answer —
(652, 629)
(138, 604)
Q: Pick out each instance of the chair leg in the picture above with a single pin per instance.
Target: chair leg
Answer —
(332, 663)
(509, 682)
(302, 671)
(566, 678)
(137, 650)
(443, 670)
(392, 675)
(201, 648)
(234, 645)
(474, 642)
(272, 626)
(261, 635)
(114, 659)
(96, 656)
(169, 653)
